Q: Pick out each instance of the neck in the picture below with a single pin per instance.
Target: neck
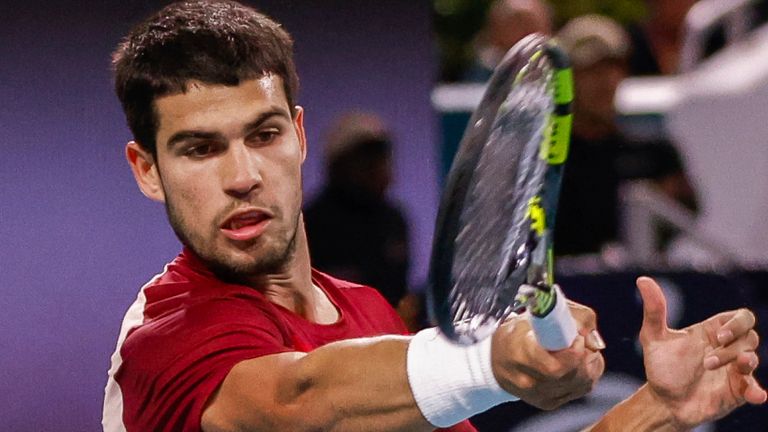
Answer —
(292, 288)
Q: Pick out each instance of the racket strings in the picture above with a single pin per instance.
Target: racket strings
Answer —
(490, 246)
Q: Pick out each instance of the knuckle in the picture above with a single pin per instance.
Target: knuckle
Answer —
(585, 315)
(558, 371)
(564, 367)
(524, 383)
(553, 369)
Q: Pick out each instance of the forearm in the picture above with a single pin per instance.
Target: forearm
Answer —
(354, 385)
(363, 382)
(641, 412)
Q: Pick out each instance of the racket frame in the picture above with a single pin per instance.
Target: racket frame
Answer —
(535, 266)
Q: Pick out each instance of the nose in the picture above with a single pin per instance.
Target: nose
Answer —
(241, 170)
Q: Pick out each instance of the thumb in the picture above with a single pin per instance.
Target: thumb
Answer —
(654, 309)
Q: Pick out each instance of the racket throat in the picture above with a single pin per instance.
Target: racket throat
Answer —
(536, 293)
(538, 300)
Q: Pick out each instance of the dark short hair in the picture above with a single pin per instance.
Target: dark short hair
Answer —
(215, 42)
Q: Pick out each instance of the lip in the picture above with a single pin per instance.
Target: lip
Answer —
(252, 223)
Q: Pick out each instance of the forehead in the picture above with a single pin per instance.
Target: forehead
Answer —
(218, 107)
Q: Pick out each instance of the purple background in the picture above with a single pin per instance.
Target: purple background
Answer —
(77, 239)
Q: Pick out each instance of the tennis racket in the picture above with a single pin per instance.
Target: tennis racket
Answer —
(492, 253)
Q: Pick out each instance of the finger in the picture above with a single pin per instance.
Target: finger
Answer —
(754, 393)
(654, 308)
(575, 392)
(727, 354)
(595, 366)
(555, 365)
(585, 317)
(594, 341)
(585, 364)
(746, 362)
(578, 380)
(586, 322)
(575, 361)
(735, 324)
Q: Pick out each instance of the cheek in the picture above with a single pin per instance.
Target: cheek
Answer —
(289, 163)
(191, 202)
(293, 183)
(289, 188)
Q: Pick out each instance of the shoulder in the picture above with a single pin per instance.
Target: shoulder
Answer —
(183, 335)
(183, 317)
(347, 288)
(189, 295)
(170, 365)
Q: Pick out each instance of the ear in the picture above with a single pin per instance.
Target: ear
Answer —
(298, 124)
(145, 171)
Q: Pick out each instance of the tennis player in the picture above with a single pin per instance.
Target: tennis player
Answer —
(239, 333)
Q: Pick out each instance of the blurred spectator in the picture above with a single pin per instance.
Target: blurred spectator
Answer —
(354, 231)
(506, 23)
(600, 157)
(657, 42)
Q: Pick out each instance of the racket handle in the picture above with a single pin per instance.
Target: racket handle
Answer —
(557, 329)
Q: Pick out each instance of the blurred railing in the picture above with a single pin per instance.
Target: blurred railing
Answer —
(644, 207)
(736, 18)
(704, 110)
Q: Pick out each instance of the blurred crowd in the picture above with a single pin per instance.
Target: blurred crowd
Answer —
(357, 232)
(603, 159)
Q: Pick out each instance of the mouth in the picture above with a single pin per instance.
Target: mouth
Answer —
(245, 225)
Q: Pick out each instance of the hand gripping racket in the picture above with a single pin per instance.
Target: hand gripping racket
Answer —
(492, 253)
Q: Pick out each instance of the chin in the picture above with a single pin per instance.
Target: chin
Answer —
(239, 269)
(254, 260)
(268, 254)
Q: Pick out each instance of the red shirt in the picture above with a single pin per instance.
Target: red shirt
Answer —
(193, 328)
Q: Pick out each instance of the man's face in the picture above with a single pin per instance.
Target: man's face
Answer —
(229, 162)
(595, 88)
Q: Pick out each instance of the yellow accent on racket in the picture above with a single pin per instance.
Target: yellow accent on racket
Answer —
(537, 215)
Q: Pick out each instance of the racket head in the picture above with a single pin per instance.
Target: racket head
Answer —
(488, 225)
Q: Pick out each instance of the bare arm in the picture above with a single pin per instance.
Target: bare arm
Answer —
(362, 384)
(353, 385)
(641, 412)
(695, 375)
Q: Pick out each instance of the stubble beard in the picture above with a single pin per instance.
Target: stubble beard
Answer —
(271, 258)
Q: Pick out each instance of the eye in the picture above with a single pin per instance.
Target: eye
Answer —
(265, 136)
(200, 150)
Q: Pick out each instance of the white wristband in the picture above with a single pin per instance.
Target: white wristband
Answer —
(452, 382)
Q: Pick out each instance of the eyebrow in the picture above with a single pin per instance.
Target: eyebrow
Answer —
(184, 135)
